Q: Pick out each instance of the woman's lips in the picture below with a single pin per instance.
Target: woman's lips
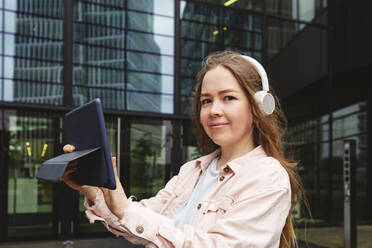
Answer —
(217, 125)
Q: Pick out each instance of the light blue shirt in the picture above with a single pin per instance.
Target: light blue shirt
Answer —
(204, 186)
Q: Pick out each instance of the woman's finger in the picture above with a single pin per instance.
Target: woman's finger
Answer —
(73, 164)
(68, 180)
(68, 148)
(113, 159)
(68, 172)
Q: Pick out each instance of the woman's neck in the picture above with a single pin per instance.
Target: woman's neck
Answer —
(229, 153)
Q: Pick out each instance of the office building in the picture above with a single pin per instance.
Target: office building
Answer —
(140, 57)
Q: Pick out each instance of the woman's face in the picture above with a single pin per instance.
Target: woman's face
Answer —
(225, 112)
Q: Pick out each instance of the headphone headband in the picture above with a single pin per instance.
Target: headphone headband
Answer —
(264, 99)
(260, 70)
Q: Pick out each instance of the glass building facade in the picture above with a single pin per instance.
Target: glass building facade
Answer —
(141, 57)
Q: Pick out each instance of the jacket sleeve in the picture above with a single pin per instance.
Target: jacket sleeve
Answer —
(256, 221)
(100, 211)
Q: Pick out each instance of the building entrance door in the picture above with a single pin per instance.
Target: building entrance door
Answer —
(27, 204)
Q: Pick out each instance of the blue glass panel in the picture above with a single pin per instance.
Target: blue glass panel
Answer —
(111, 98)
(152, 102)
(150, 63)
(150, 23)
(32, 92)
(150, 43)
(148, 82)
(53, 8)
(163, 7)
(107, 15)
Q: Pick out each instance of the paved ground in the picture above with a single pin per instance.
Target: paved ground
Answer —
(333, 237)
(95, 243)
(321, 237)
(83, 243)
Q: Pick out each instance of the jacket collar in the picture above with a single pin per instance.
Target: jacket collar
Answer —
(236, 165)
(204, 161)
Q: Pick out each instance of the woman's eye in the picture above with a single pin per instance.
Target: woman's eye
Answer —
(229, 98)
(205, 101)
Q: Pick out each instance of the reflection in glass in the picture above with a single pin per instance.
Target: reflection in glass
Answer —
(189, 146)
(150, 63)
(110, 98)
(33, 25)
(112, 16)
(33, 92)
(150, 43)
(31, 141)
(351, 120)
(188, 85)
(186, 105)
(150, 23)
(289, 30)
(246, 4)
(116, 3)
(43, 7)
(100, 56)
(190, 68)
(198, 50)
(162, 7)
(150, 82)
(98, 53)
(37, 48)
(96, 35)
(206, 29)
(9, 67)
(284, 8)
(273, 36)
(322, 172)
(200, 31)
(98, 76)
(150, 91)
(33, 53)
(150, 152)
(150, 102)
(306, 10)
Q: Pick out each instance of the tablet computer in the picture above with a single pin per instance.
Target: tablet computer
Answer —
(84, 128)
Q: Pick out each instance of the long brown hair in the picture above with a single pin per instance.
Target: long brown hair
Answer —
(268, 130)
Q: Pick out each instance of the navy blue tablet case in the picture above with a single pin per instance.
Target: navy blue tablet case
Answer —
(84, 127)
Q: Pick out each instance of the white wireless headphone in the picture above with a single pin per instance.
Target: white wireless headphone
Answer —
(264, 99)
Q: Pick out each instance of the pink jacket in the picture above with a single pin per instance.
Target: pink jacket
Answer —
(248, 207)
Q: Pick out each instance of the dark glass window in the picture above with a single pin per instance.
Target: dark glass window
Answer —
(246, 4)
(206, 29)
(149, 151)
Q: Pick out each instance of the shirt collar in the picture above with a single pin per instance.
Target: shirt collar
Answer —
(236, 165)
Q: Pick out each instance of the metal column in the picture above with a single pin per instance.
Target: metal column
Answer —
(350, 232)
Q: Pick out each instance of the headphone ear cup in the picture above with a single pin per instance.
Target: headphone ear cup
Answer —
(266, 101)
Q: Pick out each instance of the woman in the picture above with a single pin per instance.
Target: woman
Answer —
(240, 195)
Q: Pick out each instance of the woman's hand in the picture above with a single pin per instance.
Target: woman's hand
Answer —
(115, 199)
(88, 191)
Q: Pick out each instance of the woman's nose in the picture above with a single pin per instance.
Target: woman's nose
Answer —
(216, 109)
